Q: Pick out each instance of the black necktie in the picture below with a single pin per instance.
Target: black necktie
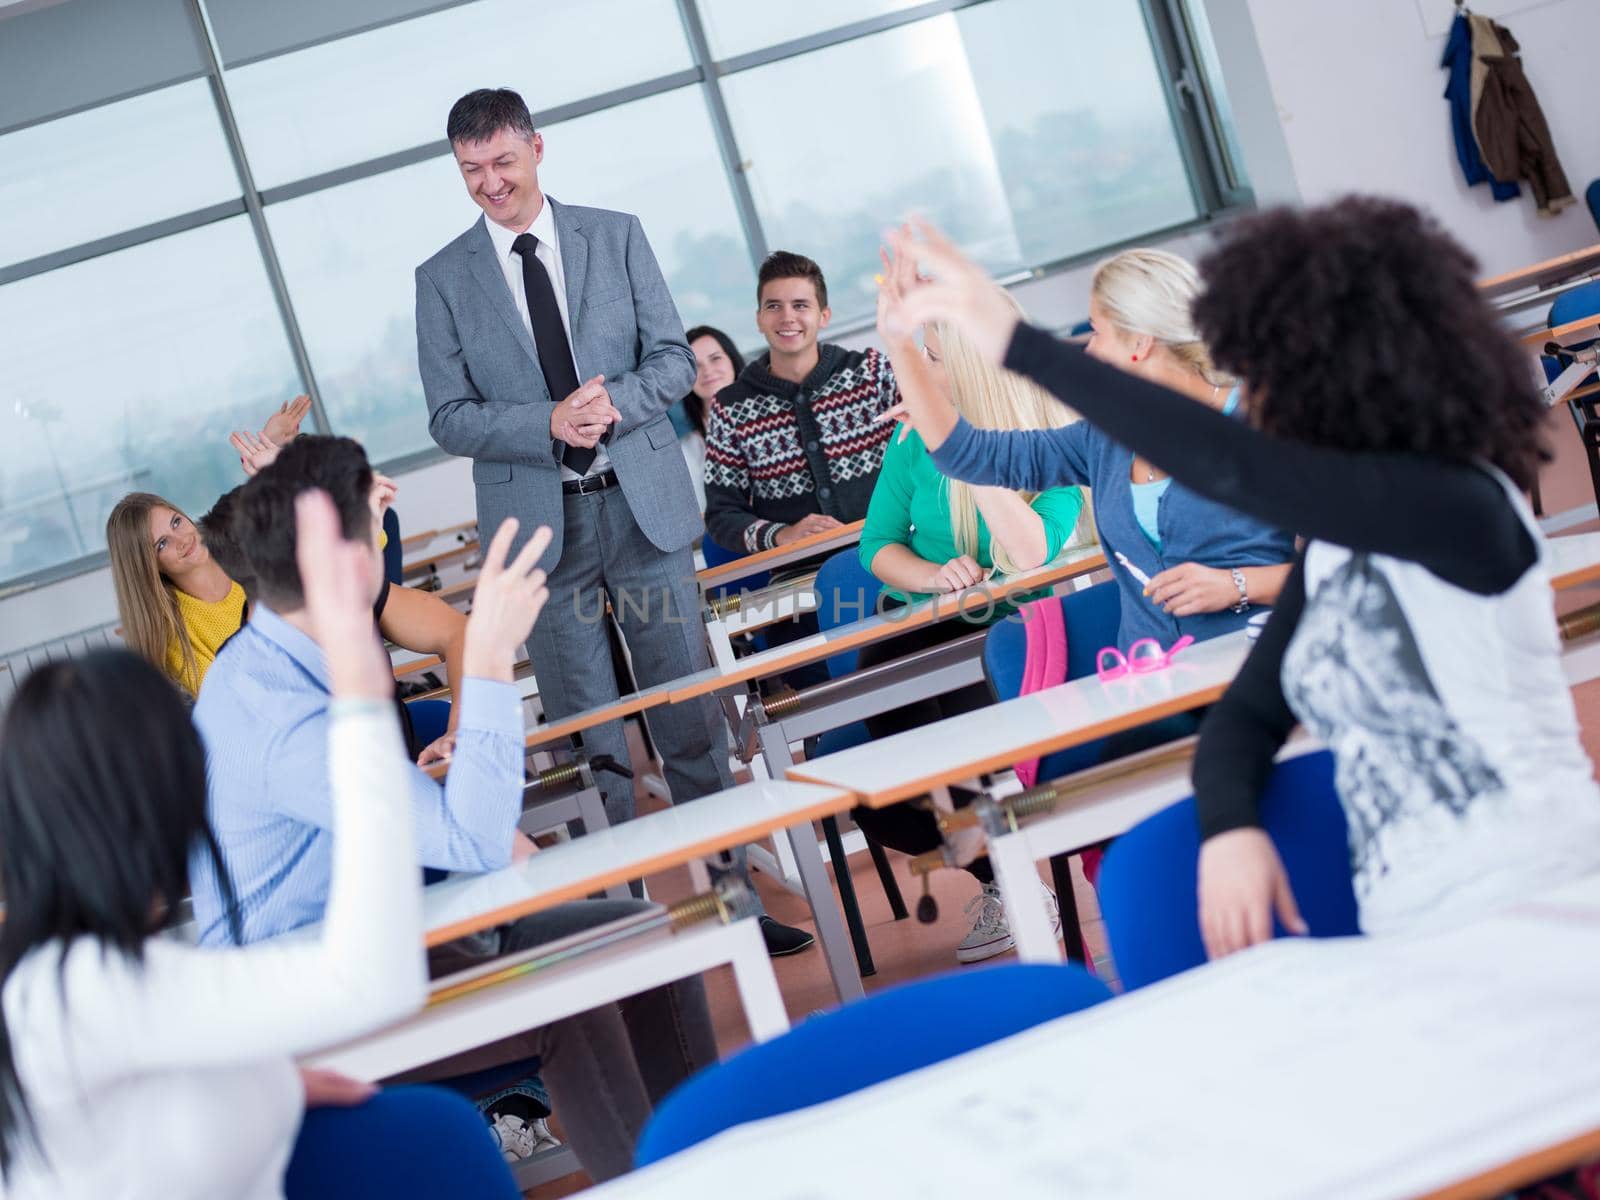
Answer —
(550, 339)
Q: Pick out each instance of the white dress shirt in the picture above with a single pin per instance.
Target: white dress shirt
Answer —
(549, 253)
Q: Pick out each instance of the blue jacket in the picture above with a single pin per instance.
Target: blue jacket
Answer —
(1192, 529)
(1458, 60)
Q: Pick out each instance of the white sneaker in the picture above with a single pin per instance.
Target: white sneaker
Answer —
(990, 934)
(519, 1139)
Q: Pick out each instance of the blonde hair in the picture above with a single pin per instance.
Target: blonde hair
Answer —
(1150, 293)
(147, 601)
(993, 398)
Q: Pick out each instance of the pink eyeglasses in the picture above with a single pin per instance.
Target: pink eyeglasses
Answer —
(1143, 656)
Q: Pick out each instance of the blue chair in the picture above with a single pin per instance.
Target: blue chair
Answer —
(1591, 195)
(889, 1033)
(404, 1142)
(1579, 303)
(429, 719)
(393, 558)
(1148, 880)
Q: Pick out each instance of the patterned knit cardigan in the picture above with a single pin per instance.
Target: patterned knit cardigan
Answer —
(778, 451)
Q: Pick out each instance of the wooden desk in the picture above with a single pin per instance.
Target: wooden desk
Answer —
(1457, 1064)
(569, 871)
(1574, 560)
(881, 627)
(780, 556)
(962, 748)
(1580, 264)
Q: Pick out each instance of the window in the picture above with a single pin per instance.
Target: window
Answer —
(358, 98)
(738, 26)
(349, 252)
(83, 177)
(127, 372)
(1031, 130)
(1034, 131)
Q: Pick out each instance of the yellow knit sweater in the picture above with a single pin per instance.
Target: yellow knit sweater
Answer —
(207, 626)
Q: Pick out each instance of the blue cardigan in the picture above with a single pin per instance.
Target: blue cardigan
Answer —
(1192, 529)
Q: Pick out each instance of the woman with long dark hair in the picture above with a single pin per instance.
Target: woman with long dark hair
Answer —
(120, 1046)
(717, 364)
(1394, 424)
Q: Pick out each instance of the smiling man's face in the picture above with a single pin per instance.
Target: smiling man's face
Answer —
(502, 176)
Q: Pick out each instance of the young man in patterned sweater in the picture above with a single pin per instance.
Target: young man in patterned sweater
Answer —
(791, 445)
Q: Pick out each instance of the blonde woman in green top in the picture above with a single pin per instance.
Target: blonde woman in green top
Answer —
(926, 534)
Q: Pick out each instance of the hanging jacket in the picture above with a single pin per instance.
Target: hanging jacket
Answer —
(1463, 65)
(1512, 133)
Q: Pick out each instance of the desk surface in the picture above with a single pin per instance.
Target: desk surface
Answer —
(1574, 559)
(877, 628)
(779, 556)
(993, 738)
(655, 842)
(1542, 274)
(1357, 1069)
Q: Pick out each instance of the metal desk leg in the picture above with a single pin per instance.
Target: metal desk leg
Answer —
(1071, 926)
(758, 987)
(814, 879)
(846, 884)
(1018, 879)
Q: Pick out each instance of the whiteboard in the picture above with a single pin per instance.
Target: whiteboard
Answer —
(1437, 14)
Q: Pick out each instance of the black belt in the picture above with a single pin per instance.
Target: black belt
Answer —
(589, 483)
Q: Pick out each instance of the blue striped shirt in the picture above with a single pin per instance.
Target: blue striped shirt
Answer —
(263, 715)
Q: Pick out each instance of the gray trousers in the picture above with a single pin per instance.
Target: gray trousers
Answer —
(606, 1068)
(657, 607)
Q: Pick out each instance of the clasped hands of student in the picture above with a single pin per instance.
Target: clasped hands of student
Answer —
(582, 418)
(956, 575)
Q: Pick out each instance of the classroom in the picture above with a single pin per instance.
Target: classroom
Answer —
(877, 598)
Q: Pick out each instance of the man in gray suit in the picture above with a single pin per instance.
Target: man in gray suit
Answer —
(550, 351)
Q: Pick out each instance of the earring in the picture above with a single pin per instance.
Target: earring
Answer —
(1135, 358)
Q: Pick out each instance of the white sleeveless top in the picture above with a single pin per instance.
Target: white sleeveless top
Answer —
(1457, 754)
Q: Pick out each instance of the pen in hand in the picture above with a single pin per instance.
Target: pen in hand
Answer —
(1144, 580)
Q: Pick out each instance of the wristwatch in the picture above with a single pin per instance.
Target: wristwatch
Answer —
(1244, 592)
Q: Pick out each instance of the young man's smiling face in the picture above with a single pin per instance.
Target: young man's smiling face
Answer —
(502, 176)
(789, 316)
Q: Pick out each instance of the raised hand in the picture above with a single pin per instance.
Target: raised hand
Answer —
(257, 451)
(960, 291)
(507, 602)
(338, 579)
(283, 426)
(384, 490)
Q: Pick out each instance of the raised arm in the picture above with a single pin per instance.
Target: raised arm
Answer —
(1380, 503)
(460, 420)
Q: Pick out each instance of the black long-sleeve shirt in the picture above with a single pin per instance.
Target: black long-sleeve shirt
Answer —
(1454, 519)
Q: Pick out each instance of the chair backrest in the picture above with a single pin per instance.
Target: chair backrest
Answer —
(846, 592)
(1091, 618)
(393, 556)
(1580, 302)
(716, 555)
(1148, 880)
(889, 1033)
(1592, 195)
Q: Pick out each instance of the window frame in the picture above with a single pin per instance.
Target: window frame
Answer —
(1192, 99)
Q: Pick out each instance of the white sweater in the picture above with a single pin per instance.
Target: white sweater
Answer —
(176, 1079)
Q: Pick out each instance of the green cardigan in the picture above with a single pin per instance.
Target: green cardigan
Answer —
(911, 506)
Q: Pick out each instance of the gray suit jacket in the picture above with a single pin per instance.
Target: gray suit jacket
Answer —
(487, 398)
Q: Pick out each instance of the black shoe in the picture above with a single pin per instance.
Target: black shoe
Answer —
(783, 939)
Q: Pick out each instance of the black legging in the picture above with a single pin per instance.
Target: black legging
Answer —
(900, 826)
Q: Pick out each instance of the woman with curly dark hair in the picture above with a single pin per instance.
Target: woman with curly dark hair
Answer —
(1393, 424)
